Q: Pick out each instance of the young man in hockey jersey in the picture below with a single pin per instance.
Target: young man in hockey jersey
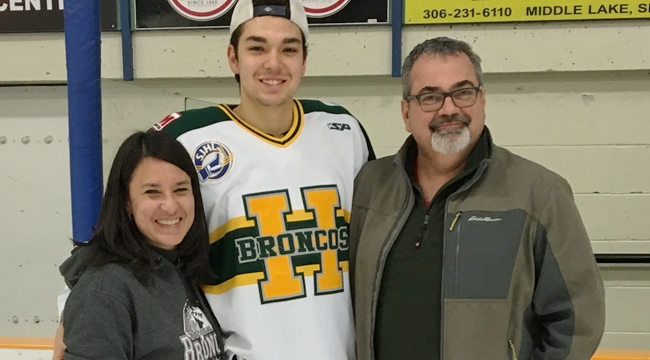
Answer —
(276, 177)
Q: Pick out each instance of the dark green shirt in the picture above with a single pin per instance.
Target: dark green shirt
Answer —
(409, 305)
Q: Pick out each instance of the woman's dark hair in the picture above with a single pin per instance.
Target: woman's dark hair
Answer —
(118, 239)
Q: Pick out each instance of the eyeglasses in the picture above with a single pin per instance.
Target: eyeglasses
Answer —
(433, 101)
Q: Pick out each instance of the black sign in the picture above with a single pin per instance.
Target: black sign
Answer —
(45, 15)
(192, 14)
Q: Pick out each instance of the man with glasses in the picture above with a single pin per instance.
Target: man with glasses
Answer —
(459, 248)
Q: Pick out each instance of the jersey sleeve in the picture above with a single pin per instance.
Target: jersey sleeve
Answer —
(363, 150)
(179, 123)
(366, 139)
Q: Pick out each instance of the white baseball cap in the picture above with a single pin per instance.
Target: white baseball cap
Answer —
(244, 11)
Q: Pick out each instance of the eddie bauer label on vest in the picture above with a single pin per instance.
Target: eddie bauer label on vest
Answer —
(482, 11)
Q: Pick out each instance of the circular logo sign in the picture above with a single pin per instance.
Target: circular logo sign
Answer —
(322, 8)
(202, 10)
(213, 160)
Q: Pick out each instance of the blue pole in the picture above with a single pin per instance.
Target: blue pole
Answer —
(82, 49)
(396, 16)
(127, 40)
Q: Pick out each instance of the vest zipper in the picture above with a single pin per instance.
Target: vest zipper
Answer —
(457, 254)
(513, 353)
(425, 225)
(453, 223)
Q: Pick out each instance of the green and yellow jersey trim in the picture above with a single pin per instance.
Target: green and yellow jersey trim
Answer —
(242, 223)
(297, 124)
(254, 278)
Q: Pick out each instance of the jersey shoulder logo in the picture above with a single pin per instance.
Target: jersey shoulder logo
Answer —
(213, 161)
(339, 126)
(166, 121)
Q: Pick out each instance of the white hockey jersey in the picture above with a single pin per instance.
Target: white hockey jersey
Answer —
(278, 210)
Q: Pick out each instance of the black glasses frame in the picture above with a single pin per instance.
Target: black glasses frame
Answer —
(445, 95)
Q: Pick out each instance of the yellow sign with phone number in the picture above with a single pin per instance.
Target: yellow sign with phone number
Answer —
(480, 11)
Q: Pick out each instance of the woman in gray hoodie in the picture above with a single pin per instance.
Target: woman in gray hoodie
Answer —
(136, 284)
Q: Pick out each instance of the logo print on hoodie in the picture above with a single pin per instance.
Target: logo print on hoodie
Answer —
(200, 340)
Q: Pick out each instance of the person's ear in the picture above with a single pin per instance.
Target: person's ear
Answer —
(233, 61)
(405, 115)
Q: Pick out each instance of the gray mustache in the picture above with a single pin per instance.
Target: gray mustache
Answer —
(462, 119)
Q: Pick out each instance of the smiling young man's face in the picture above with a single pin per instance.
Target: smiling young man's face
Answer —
(269, 60)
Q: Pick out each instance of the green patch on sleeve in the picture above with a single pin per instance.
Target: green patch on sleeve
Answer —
(315, 106)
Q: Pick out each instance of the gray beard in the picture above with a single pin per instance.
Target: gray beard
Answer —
(450, 141)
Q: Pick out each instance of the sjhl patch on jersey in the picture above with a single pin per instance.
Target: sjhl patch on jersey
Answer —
(213, 160)
(200, 340)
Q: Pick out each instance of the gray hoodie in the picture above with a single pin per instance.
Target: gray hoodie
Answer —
(111, 314)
